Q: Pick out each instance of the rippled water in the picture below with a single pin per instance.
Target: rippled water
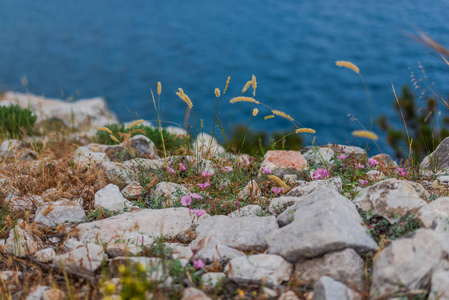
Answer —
(120, 49)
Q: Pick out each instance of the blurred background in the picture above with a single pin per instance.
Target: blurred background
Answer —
(120, 50)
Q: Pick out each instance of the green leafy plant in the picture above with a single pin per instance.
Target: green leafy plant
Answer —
(16, 121)
(421, 123)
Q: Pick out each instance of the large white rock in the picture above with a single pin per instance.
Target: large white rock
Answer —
(409, 262)
(205, 144)
(391, 198)
(440, 286)
(245, 233)
(111, 199)
(86, 112)
(59, 212)
(21, 241)
(147, 222)
(345, 266)
(324, 222)
(329, 289)
(434, 210)
(257, 267)
(87, 257)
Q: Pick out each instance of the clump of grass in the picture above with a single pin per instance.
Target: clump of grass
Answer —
(16, 122)
(173, 142)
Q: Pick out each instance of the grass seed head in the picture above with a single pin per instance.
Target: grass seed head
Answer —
(105, 129)
(365, 134)
(244, 99)
(159, 88)
(282, 114)
(134, 124)
(255, 112)
(305, 130)
(217, 92)
(347, 64)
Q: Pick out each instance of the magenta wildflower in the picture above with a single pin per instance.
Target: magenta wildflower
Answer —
(402, 172)
(265, 170)
(199, 212)
(358, 166)
(206, 174)
(196, 196)
(320, 174)
(276, 190)
(372, 162)
(227, 169)
(181, 167)
(203, 185)
(186, 200)
(170, 170)
(238, 205)
(363, 182)
(198, 264)
(342, 157)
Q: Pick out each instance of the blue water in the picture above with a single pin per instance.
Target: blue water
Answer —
(121, 49)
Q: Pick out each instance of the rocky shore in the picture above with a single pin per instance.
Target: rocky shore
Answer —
(82, 220)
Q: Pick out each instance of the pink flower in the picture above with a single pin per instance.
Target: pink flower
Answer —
(199, 212)
(171, 170)
(265, 170)
(363, 182)
(359, 166)
(196, 196)
(372, 162)
(227, 169)
(186, 200)
(402, 172)
(198, 264)
(276, 190)
(238, 205)
(206, 174)
(342, 157)
(203, 185)
(320, 174)
(181, 167)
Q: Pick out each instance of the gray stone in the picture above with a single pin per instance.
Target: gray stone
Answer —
(129, 245)
(290, 295)
(179, 251)
(333, 183)
(87, 257)
(345, 266)
(329, 289)
(37, 292)
(318, 155)
(111, 199)
(45, 255)
(59, 212)
(24, 203)
(90, 154)
(257, 267)
(170, 192)
(391, 198)
(143, 147)
(194, 294)
(132, 191)
(438, 160)
(21, 241)
(245, 233)
(408, 263)
(280, 204)
(439, 286)
(433, 210)
(53, 294)
(324, 222)
(205, 144)
(287, 216)
(167, 222)
(210, 248)
(251, 191)
(247, 211)
(352, 151)
(211, 279)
